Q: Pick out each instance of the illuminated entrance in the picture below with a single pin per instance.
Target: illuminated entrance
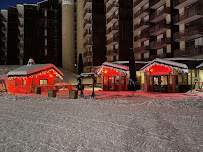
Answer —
(114, 77)
(161, 76)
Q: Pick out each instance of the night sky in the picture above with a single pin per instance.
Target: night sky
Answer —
(4, 3)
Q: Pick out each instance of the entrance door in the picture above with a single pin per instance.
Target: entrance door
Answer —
(160, 83)
(111, 83)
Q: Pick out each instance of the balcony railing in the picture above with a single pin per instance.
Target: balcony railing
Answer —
(87, 4)
(88, 34)
(189, 51)
(113, 7)
(87, 24)
(20, 45)
(188, 34)
(4, 48)
(112, 52)
(113, 18)
(4, 38)
(154, 4)
(142, 25)
(113, 40)
(161, 43)
(20, 55)
(178, 4)
(160, 28)
(87, 14)
(4, 57)
(188, 16)
(142, 49)
(4, 19)
(86, 64)
(110, 1)
(88, 44)
(20, 15)
(142, 13)
(160, 15)
(139, 3)
(88, 54)
(143, 36)
(113, 29)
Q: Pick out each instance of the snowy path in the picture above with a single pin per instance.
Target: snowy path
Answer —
(45, 125)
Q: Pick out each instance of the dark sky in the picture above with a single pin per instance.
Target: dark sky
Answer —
(4, 3)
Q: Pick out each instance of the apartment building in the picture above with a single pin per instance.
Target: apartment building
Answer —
(190, 22)
(91, 40)
(153, 29)
(3, 36)
(119, 28)
(168, 28)
(33, 31)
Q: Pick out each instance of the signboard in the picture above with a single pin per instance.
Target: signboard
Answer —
(70, 2)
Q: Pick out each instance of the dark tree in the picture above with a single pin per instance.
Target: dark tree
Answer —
(80, 64)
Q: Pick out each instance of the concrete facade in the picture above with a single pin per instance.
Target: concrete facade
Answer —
(68, 35)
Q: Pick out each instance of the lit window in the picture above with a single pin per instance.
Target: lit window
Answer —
(43, 82)
(24, 82)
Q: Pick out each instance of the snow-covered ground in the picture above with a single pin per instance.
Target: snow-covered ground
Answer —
(37, 123)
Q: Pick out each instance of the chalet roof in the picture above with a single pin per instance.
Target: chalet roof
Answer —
(31, 69)
(121, 68)
(200, 66)
(172, 64)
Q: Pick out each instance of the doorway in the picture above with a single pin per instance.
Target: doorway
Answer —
(160, 83)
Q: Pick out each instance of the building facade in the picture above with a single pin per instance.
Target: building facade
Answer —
(167, 28)
(32, 31)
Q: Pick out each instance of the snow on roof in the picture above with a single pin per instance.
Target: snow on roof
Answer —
(165, 62)
(199, 66)
(31, 69)
(118, 67)
(127, 62)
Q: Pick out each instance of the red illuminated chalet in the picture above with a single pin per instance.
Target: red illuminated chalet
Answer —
(26, 78)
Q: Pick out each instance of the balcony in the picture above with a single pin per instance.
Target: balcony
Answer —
(112, 19)
(88, 44)
(110, 1)
(112, 30)
(188, 34)
(142, 49)
(178, 4)
(159, 29)
(189, 51)
(4, 19)
(87, 34)
(143, 25)
(20, 15)
(20, 56)
(140, 3)
(4, 57)
(88, 54)
(87, 14)
(114, 40)
(112, 8)
(4, 48)
(87, 4)
(156, 3)
(112, 52)
(20, 45)
(188, 16)
(161, 43)
(142, 37)
(87, 24)
(160, 15)
(4, 38)
(142, 13)
(87, 64)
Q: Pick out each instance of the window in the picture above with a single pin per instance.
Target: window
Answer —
(24, 82)
(45, 52)
(164, 80)
(123, 80)
(43, 82)
(170, 79)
